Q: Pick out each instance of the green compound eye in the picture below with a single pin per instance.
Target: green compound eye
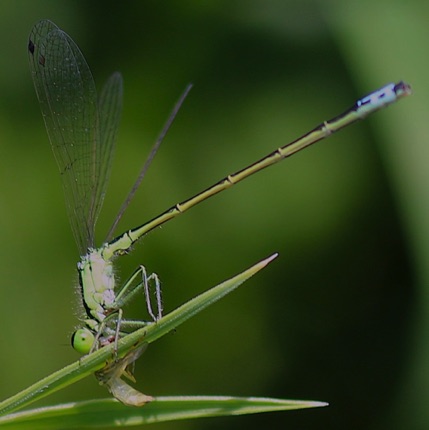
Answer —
(82, 340)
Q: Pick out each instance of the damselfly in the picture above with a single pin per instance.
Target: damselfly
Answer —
(82, 129)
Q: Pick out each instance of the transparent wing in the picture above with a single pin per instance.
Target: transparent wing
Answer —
(110, 109)
(74, 120)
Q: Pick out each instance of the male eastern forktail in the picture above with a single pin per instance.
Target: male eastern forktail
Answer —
(82, 130)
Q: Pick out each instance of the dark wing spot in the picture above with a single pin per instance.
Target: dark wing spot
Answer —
(31, 46)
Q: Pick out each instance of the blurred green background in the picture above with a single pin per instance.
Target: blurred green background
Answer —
(342, 315)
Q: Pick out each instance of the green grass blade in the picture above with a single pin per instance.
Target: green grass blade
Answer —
(89, 364)
(107, 413)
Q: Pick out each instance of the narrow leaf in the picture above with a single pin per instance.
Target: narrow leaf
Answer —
(108, 413)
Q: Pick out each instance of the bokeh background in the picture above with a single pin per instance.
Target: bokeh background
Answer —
(342, 315)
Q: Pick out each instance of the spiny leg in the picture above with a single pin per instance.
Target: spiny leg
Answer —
(146, 280)
(129, 289)
(110, 329)
(105, 335)
(117, 332)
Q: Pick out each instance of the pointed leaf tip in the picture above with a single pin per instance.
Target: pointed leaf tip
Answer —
(269, 259)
